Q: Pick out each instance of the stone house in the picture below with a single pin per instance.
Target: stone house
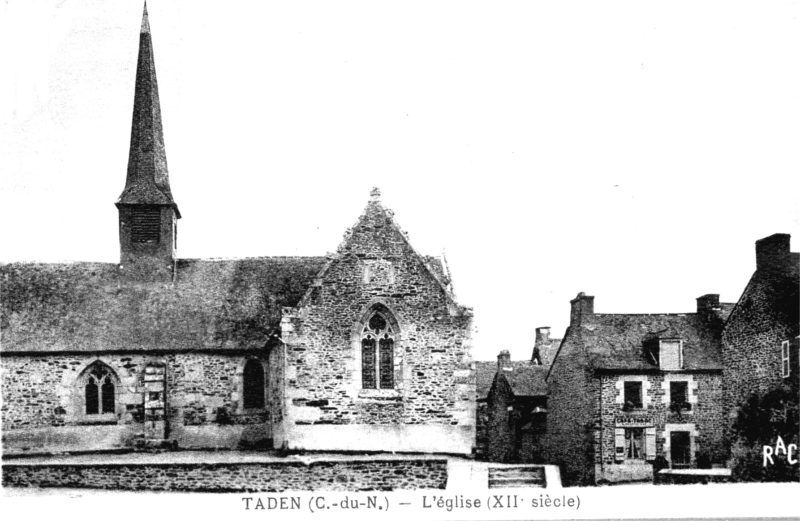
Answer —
(511, 409)
(760, 337)
(365, 349)
(761, 367)
(627, 390)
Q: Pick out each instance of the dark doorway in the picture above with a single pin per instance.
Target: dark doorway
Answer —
(680, 449)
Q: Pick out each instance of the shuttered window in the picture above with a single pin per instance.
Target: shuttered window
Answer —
(634, 443)
(650, 443)
(619, 444)
(146, 225)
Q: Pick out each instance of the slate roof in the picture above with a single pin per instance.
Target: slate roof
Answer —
(213, 304)
(148, 178)
(484, 374)
(617, 341)
(525, 378)
(773, 295)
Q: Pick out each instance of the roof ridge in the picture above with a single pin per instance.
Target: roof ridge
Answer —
(646, 314)
(260, 257)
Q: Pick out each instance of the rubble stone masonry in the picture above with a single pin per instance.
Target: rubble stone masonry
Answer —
(431, 407)
(768, 313)
(43, 401)
(351, 476)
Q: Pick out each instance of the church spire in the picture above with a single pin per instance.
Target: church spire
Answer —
(147, 213)
(147, 182)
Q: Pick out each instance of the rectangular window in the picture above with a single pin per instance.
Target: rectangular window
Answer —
(146, 225)
(670, 355)
(785, 370)
(633, 395)
(679, 396)
(634, 443)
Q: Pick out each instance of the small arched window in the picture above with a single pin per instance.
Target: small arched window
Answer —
(253, 391)
(377, 352)
(100, 390)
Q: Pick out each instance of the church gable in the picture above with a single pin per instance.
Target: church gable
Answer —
(379, 347)
(377, 258)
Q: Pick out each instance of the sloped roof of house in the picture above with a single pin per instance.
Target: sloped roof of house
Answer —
(772, 295)
(213, 304)
(484, 373)
(524, 378)
(527, 379)
(617, 341)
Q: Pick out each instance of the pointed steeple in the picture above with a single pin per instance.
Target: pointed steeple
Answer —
(148, 215)
(147, 182)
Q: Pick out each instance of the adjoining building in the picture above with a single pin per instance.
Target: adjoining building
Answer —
(760, 337)
(365, 349)
(761, 368)
(628, 391)
(511, 409)
(633, 393)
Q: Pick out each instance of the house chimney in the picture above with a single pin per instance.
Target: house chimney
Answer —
(707, 303)
(772, 251)
(582, 305)
(542, 343)
(542, 336)
(504, 360)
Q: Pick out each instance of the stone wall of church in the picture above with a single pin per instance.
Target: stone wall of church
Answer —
(44, 402)
(434, 385)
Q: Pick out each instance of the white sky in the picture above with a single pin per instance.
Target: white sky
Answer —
(631, 150)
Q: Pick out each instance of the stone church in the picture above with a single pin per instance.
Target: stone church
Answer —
(365, 349)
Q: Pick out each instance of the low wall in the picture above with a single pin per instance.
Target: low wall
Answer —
(624, 472)
(349, 476)
(692, 476)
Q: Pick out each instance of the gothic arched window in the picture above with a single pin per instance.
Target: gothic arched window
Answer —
(253, 388)
(99, 390)
(377, 353)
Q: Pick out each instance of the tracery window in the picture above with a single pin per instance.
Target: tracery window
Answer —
(377, 352)
(99, 390)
